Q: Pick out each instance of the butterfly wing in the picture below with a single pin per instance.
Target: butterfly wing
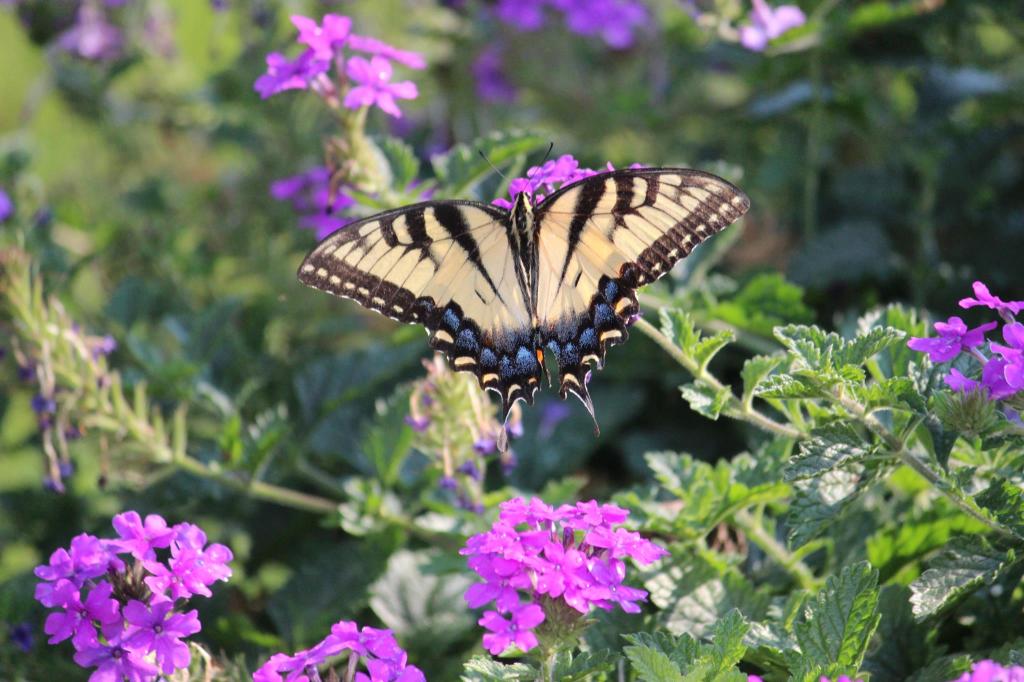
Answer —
(605, 236)
(450, 266)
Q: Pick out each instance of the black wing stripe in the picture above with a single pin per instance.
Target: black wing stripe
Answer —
(586, 202)
(453, 221)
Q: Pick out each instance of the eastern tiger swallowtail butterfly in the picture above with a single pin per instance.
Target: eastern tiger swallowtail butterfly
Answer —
(497, 289)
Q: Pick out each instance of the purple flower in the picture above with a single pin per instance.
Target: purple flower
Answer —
(993, 377)
(76, 620)
(114, 661)
(767, 23)
(6, 206)
(484, 445)
(325, 41)
(613, 20)
(470, 469)
(960, 383)
(550, 558)
(309, 193)
(526, 15)
(283, 74)
(990, 671)
(378, 48)
(491, 83)
(141, 539)
(92, 37)
(982, 296)
(516, 629)
(43, 405)
(88, 558)
(21, 636)
(418, 424)
(1012, 357)
(156, 632)
(375, 87)
(954, 336)
(104, 345)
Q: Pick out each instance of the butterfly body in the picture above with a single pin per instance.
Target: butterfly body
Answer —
(499, 290)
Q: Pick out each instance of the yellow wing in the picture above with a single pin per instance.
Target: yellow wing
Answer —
(447, 265)
(605, 236)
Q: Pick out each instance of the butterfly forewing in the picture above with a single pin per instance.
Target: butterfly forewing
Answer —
(447, 265)
(605, 236)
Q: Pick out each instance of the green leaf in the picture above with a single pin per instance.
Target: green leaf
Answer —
(695, 607)
(420, 608)
(570, 668)
(820, 501)
(679, 326)
(405, 167)
(705, 400)
(890, 392)
(967, 564)
(867, 344)
(829, 447)
(839, 622)
(791, 386)
(480, 669)
(906, 541)
(461, 168)
(1005, 503)
(652, 664)
(764, 302)
(904, 646)
(819, 350)
(755, 371)
(727, 647)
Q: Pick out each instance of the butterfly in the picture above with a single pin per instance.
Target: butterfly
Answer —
(497, 289)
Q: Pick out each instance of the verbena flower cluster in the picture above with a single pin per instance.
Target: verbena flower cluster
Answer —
(841, 678)
(536, 554)
(121, 601)
(990, 671)
(358, 82)
(310, 195)
(1002, 368)
(615, 21)
(549, 177)
(457, 426)
(383, 659)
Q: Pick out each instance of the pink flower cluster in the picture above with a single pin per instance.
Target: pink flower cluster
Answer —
(126, 620)
(990, 671)
(550, 176)
(385, 661)
(361, 82)
(1002, 370)
(573, 553)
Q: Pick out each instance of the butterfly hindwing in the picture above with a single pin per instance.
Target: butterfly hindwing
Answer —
(447, 265)
(602, 238)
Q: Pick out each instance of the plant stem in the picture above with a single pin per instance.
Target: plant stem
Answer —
(734, 408)
(796, 568)
(258, 489)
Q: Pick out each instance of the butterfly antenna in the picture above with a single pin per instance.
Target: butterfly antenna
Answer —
(493, 167)
(551, 145)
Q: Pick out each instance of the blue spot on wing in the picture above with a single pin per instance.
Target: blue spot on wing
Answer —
(466, 342)
(588, 339)
(603, 314)
(526, 362)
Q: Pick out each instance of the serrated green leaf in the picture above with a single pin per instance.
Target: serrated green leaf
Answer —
(890, 392)
(866, 345)
(908, 540)
(679, 326)
(706, 400)
(904, 646)
(652, 665)
(706, 348)
(405, 167)
(696, 607)
(791, 386)
(570, 668)
(839, 622)
(479, 669)
(829, 447)
(461, 168)
(755, 371)
(727, 645)
(820, 501)
(967, 564)
(1005, 503)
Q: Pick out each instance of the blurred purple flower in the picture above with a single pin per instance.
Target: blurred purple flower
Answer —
(21, 636)
(516, 629)
(960, 383)
(418, 424)
(489, 73)
(91, 36)
(484, 445)
(953, 337)
(43, 405)
(374, 85)
(325, 41)
(372, 46)
(283, 74)
(157, 633)
(990, 671)
(552, 414)
(469, 468)
(982, 296)
(613, 20)
(526, 15)
(309, 193)
(6, 206)
(768, 23)
(105, 345)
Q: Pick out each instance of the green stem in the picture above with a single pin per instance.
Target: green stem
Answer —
(898, 449)
(797, 569)
(258, 489)
(735, 407)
